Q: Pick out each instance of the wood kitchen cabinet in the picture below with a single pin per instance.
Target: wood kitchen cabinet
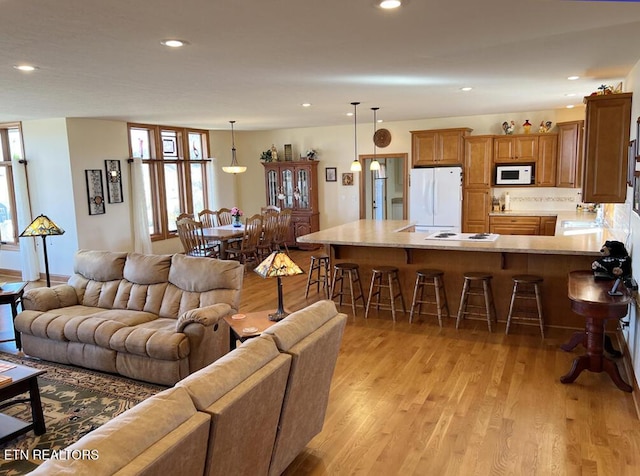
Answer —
(570, 157)
(546, 168)
(476, 205)
(294, 185)
(606, 139)
(515, 148)
(438, 147)
(522, 225)
(476, 200)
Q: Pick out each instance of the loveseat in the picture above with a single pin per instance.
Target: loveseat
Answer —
(156, 318)
(250, 412)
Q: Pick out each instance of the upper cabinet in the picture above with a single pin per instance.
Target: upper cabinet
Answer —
(515, 148)
(547, 159)
(606, 140)
(478, 151)
(569, 170)
(438, 147)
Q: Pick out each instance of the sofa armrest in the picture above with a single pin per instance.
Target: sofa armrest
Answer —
(45, 299)
(206, 316)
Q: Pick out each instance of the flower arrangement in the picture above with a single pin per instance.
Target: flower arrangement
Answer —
(236, 212)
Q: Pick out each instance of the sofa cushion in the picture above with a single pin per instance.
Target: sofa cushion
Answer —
(51, 324)
(156, 339)
(99, 265)
(147, 269)
(194, 274)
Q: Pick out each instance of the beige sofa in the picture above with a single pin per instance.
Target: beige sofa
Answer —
(150, 317)
(261, 403)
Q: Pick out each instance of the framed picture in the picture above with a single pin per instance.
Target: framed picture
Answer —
(331, 174)
(636, 193)
(288, 153)
(169, 147)
(114, 181)
(95, 192)
(347, 178)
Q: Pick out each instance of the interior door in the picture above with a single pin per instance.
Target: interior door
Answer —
(383, 195)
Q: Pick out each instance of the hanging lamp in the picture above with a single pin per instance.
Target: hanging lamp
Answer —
(375, 165)
(355, 165)
(234, 168)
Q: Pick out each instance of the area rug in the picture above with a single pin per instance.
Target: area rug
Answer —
(75, 401)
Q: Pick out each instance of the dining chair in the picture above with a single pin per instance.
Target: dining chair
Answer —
(193, 242)
(208, 218)
(269, 231)
(248, 250)
(282, 235)
(224, 217)
(184, 215)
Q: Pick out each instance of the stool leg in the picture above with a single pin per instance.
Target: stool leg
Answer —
(513, 300)
(373, 283)
(487, 301)
(463, 302)
(392, 298)
(404, 307)
(313, 264)
(539, 304)
(415, 297)
(327, 278)
(436, 288)
(353, 299)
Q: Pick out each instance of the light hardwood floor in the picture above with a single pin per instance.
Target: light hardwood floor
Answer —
(417, 399)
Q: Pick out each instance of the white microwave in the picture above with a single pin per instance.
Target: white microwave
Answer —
(514, 174)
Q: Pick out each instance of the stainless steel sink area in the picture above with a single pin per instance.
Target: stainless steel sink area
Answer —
(580, 224)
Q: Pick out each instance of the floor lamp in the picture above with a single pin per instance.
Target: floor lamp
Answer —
(278, 264)
(43, 226)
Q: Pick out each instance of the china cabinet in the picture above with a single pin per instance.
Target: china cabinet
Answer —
(294, 185)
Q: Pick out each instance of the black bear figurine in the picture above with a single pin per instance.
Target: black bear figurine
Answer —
(614, 263)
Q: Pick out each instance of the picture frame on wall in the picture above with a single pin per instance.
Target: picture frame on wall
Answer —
(331, 174)
(95, 191)
(114, 181)
(347, 178)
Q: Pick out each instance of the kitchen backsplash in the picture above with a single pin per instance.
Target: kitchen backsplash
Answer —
(539, 198)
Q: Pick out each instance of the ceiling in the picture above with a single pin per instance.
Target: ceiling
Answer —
(256, 61)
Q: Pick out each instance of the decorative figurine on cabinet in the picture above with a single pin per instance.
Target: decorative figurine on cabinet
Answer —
(526, 126)
(508, 128)
(545, 126)
(274, 153)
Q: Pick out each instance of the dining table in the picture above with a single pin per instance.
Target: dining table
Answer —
(223, 234)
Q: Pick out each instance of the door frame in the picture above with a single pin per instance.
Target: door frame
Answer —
(405, 174)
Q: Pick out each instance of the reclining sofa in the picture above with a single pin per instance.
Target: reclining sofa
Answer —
(156, 318)
(250, 412)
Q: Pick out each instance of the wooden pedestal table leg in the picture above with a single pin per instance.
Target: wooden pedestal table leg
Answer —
(576, 338)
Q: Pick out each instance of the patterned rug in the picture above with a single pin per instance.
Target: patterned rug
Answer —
(75, 401)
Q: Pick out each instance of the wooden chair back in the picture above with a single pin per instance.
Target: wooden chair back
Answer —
(248, 250)
(208, 218)
(224, 217)
(269, 232)
(192, 239)
(284, 221)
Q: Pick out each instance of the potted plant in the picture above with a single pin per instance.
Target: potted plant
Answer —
(266, 156)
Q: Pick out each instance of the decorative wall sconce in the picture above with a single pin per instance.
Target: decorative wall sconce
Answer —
(95, 191)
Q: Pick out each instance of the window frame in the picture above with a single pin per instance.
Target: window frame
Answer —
(157, 176)
(6, 152)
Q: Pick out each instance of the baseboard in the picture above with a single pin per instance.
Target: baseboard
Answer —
(628, 367)
(55, 278)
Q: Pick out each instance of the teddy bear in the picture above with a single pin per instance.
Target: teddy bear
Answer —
(614, 263)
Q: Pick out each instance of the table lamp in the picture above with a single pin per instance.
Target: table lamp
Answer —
(43, 226)
(278, 264)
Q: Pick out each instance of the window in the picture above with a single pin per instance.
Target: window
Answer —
(10, 147)
(175, 180)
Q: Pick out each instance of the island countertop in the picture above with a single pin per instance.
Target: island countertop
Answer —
(390, 234)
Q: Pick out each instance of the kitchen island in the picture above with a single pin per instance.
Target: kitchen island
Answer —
(395, 243)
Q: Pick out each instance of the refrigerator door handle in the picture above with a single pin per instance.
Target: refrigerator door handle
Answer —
(435, 196)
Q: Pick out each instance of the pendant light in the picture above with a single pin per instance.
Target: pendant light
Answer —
(375, 165)
(234, 168)
(355, 165)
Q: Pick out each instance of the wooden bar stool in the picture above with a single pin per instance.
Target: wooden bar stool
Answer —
(477, 284)
(527, 288)
(350, 271)
(320, 266)
(429, 278)
(380, 274)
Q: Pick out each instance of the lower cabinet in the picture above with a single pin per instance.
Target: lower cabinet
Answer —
(522, 225)
(303, 225)
(476, 205)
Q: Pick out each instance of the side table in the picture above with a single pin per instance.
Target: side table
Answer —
(252, 325)
(11, 293)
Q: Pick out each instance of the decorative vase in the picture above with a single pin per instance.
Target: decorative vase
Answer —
(236, 221)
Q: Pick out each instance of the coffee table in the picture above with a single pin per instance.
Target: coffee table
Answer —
(11, 293)
(253, 324)
(25, 379)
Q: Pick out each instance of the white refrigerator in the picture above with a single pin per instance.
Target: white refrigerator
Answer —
(435, 198)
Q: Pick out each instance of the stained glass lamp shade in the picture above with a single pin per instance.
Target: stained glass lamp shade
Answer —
(278, 264)
(43, 226)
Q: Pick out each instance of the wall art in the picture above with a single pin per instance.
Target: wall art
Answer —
(95, 192)
(114, 181)
(330, 174)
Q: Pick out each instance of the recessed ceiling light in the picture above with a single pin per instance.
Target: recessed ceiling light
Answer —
(570, 106)
(25, 67)
(306, 104)
(174, 43)
(466, 88)
(573, 78)
(389, 4)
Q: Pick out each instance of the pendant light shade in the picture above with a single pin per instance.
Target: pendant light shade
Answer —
(355, 165)
(234, 168)
(375, 165)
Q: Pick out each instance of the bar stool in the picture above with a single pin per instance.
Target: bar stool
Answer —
(477, 284)
(527, 288)
(380, 274)
(319, 265)
(351, 271)
(429, 278)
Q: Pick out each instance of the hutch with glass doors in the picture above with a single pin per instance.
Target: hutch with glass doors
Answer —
(294, 185)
